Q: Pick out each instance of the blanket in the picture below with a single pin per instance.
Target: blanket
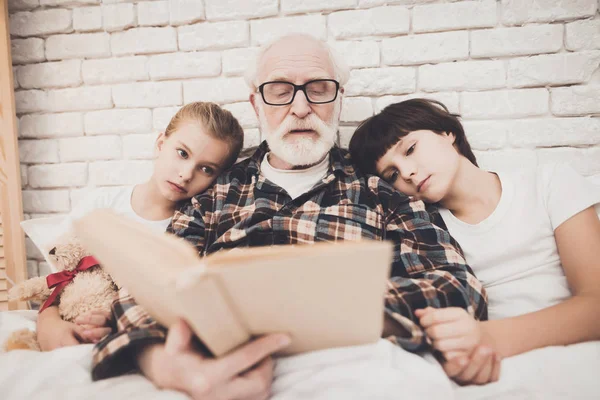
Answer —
(377, 371)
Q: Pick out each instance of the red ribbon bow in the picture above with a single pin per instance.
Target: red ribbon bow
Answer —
(61, 279)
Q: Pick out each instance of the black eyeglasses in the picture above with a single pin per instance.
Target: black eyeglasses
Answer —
(281, 93)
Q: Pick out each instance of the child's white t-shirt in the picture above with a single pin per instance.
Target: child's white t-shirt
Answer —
(118, 200)
(513, 252)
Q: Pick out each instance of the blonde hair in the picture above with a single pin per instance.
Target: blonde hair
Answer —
(218, 122)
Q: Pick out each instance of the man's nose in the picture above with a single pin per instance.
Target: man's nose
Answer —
(300, 106)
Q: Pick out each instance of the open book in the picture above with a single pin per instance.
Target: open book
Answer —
(324, 295)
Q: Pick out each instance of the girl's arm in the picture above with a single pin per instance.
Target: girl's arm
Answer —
(572, 321)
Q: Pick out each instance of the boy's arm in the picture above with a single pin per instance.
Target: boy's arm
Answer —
(428, 270)
(116, 354)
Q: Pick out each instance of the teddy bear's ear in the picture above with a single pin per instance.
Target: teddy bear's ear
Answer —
(53, 251)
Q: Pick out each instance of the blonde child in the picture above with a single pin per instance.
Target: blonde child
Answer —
(531, 236)
(200, 142)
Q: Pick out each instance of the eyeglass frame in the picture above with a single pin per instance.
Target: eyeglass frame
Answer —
(298, 88)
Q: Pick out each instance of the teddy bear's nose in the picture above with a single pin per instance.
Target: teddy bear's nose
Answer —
(52, 251)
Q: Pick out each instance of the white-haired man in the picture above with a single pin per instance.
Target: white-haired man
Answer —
(297, 188)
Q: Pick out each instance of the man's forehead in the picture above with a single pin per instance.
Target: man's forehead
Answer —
(298, 61)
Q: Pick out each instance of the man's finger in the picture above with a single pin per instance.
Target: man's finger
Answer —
(455, 366)
(179, 338)
(479, 357)
(92, 319)
(454, 344)
(255, 384)
(441, 315)
(446, 330)
(495, 376)
(95, 334)
(253, 352)
(485, 373)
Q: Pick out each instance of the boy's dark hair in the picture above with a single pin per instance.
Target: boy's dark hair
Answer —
(377, 134)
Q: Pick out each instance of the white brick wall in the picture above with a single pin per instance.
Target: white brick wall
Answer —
(95, 81)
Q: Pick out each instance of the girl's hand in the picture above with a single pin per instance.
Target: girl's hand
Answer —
(480, 367)
(53, 332)
(94, 325)
(452, 330)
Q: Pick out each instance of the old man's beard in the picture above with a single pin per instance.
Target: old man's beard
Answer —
(301, 149)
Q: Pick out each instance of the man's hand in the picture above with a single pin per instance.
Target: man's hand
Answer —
(53, 332)
(452, 330)
(244, 374)
(95, 325)
(478, 368)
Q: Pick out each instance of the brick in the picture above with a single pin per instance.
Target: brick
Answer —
(23, 169)
(582, 35)
(503, 160)
(356, 109)
(504, 103)
(535, 39)
(240, 9)
(184, 65)
(116, 17)
(147, 94)
(451, 16)
(516, 12)
(25, 51)
(51, 74)
(575, 100)
(244, 112)
(153, 13)
(32, 269)
(549, 132)
(213, 36)
(450, 99)
(373, 22)
(428, 47)
(380, 81)
(54, 3)
(81, 45)
(38, 151)
(236, 61)
(373, 3)
(252, 138)
(486, 135)
(45, 201)
(32, 251)
(44, 269)
(21, 5)
(298, 7)
(144, 41)
(584, 161)
(553, 69)
(51, 125)
(358, 54)
(87, 19)
(219, 90)
(263, 31)
(185, 11)
(111, 173)
(81, 98)
(345, 134)
(30, 101)
(139, 147)
(465, 75)
(42, 22)
(115, 70)
(116, 122)
(57, 175)
(15, 78)
(162, 116)
(89, 148)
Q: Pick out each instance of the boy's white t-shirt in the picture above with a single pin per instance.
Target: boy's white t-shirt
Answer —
(118, 200)
(513, 252)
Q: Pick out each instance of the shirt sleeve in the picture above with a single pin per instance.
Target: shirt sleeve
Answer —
(428, 270)
(566, 192)
(116, 354)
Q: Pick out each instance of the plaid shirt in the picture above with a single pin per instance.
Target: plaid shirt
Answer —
(244, 209)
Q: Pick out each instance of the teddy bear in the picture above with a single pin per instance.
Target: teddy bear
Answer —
(79, 286)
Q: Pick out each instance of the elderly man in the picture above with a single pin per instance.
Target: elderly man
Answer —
(298, 187)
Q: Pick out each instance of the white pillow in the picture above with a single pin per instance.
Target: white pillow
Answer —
(44, 232)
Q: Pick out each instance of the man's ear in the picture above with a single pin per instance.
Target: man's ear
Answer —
(252, 99)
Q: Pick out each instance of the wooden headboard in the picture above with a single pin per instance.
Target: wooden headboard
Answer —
(13, 262)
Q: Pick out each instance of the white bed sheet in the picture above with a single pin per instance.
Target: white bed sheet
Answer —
(380, 371)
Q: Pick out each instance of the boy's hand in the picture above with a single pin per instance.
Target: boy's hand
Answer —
(452, 330)
(480, 367)
(94, 325)
(244, 374)
(53, 332)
